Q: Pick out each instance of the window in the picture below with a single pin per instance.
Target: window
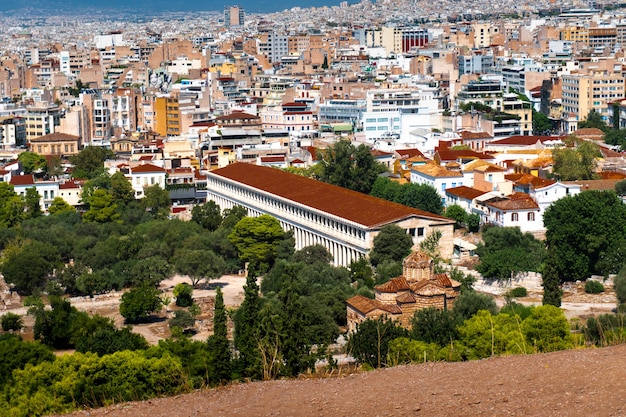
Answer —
(420, 231)
(531, 216)
(514, 217)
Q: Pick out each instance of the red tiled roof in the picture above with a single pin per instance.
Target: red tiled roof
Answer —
(147, 168)
(55, 137)
(366, 305)
(474, 135)
(515, 201)
(453, 155)
(377, 152)
(28, 179)
(146, 157)
(409, 153)
(468, 193)
(350, 205)
(238, 116)
(393, 285)
(525, 179)
(524, 140)
(270, 159)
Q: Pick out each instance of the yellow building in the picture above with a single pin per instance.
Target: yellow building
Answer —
(574, 34)
(583, 93)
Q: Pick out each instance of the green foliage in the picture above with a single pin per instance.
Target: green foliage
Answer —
(89, 162)
(86, 380)
(28, 267)
(182, 319)
(31, 162)
(248, 364)
(370, 343)
(576, 163)
(11, 322)
(102, 208)
(456, 213)
(218, 343)
(199, 265)
(350, 167)
(208, 215)
(593, 287)
(485, 335)
(59, 205)
(594, 120)
(138, 303)
(469, 303)
(587, 234)
(184, 294)
(620, 188)
(16, 354)
(11, 206)
(551, 281)
(619, 285)
(514, 308)
(605, 329)
(507, 251)
(311, 254)
(547, 329)
(388, 269)
(541, 123)
(392, 243)
(405, 350)
(32, 207)
(473, 222)
(518, 292)
(98, 334)
(419, 196)
(432, 325)
(257, 240)
(616, 137)
(121, 190)
(156, 201)
(194, 357)
(476, 106)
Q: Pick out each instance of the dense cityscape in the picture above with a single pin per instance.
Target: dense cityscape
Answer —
(236, 195)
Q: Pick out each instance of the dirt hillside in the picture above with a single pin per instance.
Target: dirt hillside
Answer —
(570, 383)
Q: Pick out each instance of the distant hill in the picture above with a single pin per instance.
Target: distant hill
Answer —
(152, 6)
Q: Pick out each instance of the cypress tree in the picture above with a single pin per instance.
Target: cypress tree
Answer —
(248, 363)
(218, 343)
(551, 282)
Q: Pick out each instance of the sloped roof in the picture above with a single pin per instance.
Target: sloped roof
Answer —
(525, 179)
(428, 288)
(147, 168)
(237, 116)
(366, 305)
(465, 134)
(524, 140)
(515, 201)
(55, 137)
(452, 155)
(393, 285)
(27, 179)
(434, 170)
(467, 193)
(409, 153)
(350, 205)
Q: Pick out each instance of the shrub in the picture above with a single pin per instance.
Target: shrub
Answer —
(518, 292)
(593, 287)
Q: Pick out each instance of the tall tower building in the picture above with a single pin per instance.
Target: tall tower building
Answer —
(233, 16)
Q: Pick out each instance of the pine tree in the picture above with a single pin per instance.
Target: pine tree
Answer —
(248, 364)
(218, 343)
(551, 282)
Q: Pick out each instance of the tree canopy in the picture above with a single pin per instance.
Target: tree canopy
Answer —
(507, 251)
(419, 196)
(350, 167)
(575, 163)
(257, 240)
(89, 162)
(392, 243)
(586, 234)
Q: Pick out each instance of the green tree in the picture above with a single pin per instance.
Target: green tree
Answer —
(391, 243)
(121, 190)
(620, 188)
(350, 167)
(431, 325)
(594, 120)
(248, 362)
(16, 354)
(232, 216)
(312, 254)
(31, 162)
(89, 162)
(156, 201)
(182, 320)
(208, 215)
(12, 322)
(575, 163)
(473, 222)
(30, 266)
(184, 294)
(370, 343)
(421, 196)
(456, 213)
(541, 123)
(586, 234)
(547, 329)
(507, 252)
(386, 189)
(619, 286)
(102, 209)
(139, 303)
(59, 205)
(199, 265)
(485, 335)
(257, 239)
(218, 342)
(469, 303)
(32, 205)
(616, 137)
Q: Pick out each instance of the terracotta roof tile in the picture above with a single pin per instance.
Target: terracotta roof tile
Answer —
(515, 201)
(366, 305)
(393, 285)
(55, 137)
(350, 205)
(147, 168)
(467, 193)
(409, 153)
(474, 135)
(524, 140)
(434, 170)
(28, 179)
(453, 155)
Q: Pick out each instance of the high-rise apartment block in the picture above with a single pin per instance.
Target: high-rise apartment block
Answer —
(233, 16)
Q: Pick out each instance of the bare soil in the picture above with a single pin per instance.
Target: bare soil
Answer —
(587, 382)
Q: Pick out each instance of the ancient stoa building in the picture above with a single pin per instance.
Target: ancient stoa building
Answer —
(417, 288)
